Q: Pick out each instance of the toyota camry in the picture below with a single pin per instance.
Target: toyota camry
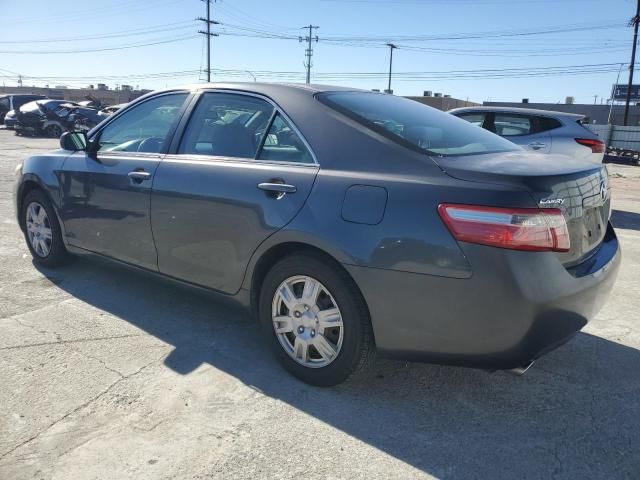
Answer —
(350, 222)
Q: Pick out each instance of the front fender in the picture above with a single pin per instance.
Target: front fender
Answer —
(43, 172)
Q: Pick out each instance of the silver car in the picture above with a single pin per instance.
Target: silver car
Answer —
(542, 131)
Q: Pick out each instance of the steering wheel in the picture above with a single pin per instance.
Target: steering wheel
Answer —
(150, 145)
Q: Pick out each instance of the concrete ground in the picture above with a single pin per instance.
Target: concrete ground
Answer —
(106, 373)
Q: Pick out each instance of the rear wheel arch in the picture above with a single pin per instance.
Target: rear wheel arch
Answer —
(277, 252)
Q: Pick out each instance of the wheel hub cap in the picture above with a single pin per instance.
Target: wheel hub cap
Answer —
(307, 321)
(38, 229)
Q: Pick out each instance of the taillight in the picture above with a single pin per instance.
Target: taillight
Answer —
(532, 229)
(596, 146)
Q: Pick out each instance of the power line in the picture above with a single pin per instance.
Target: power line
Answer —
(564, 70)
(103, 49)
(124, 33)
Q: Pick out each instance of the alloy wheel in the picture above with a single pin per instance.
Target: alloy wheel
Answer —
(307, 321)
(38, 229)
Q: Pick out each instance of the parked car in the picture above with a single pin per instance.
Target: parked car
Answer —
(10, 120)
(81, 118)
(12, 102)
(538, 130)
(111, 109)
(347, 220)
(44, 118)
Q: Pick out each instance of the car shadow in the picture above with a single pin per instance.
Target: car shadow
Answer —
(627, 220)
(574, 414)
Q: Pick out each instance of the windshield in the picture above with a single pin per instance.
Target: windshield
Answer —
(31, 107)
(416, 125)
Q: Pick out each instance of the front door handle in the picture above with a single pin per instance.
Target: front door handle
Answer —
(139, 176)
(278, 189)
(537, 145)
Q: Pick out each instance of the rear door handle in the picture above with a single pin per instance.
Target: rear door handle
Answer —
(139, 176)
(537, 145)
(281, 189)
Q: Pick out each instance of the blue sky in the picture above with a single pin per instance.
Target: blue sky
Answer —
(507, 58)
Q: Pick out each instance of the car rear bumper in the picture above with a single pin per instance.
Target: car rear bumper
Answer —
(515, 307)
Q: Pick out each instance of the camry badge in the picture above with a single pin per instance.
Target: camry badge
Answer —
(551, 201)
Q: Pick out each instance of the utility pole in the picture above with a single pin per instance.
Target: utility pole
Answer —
(634, 22)
(392, 47)
(208, 33)
(309, 51)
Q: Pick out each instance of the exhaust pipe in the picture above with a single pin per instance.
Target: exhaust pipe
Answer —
(519, 371)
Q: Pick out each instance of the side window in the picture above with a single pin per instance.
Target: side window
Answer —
(547, 123)
(508, 125)
(145, 127)
(226, 125)
(283, 144)
(473, 118)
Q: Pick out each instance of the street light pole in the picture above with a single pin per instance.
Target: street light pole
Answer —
(613, 93)
(392, 47)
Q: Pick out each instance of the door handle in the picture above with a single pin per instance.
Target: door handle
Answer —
(537, 145)
(139, 176)
(279, 189)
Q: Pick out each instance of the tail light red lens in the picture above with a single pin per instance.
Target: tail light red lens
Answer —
(532, 229)
(596, 146)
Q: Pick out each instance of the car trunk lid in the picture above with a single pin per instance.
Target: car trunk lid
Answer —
(580, 189)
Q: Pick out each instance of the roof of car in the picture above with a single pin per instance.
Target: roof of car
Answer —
(525, 111)
(265, 87)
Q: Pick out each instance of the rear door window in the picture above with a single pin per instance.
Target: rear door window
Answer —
(283, 144)
(476, 119)
(226, 125)
(509, 125)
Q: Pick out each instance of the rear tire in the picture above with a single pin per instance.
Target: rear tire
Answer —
(42, 231)
(337, 322)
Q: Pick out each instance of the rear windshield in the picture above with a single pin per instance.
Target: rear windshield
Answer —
(415, 125)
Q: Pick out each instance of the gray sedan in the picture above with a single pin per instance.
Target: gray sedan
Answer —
(350, 222)
(541, 131)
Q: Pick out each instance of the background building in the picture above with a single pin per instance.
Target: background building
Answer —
(598, 114)
(123, 94)
(442, 102)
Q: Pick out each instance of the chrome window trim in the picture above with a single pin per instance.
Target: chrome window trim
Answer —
(277, 109)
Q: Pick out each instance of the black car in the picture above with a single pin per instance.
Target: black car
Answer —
(13, 102)
(44, 118)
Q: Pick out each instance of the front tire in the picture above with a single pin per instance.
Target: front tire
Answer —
(53, 131)
(315, 320)
(42, 231)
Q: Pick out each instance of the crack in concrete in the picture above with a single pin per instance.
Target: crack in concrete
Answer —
(80, 407)
(79, 340)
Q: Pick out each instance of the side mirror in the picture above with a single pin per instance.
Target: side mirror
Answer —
(73, 141)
